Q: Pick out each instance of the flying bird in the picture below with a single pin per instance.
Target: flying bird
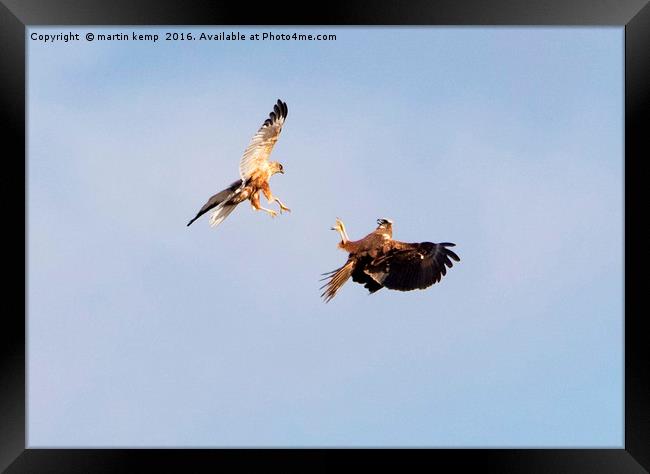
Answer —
(378, 261)
(255, 170)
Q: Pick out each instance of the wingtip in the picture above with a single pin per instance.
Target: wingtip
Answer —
(453, 255)
(283, 107)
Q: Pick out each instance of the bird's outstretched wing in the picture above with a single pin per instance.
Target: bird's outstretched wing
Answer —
(336, 279)
(261, 145)
(360, 276)
(409, 266)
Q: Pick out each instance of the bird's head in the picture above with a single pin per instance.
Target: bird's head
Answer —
(383, 223)
(276, 167)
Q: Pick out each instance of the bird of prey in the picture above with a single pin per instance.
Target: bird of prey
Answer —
(255, 170)
(378, 261)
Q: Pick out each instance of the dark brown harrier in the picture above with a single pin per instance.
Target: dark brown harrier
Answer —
(378, 261)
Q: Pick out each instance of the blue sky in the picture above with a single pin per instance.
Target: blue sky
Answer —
(506, 141)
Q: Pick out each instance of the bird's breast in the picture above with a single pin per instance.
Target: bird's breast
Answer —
(259, 178)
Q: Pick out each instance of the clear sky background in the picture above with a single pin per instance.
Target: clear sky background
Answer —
(144, 332)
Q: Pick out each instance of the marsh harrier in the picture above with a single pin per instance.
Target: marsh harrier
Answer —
(255, 170)
(378, 261)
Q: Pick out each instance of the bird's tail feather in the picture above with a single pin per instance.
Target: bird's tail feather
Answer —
(218, 200)
(337, 279)
(220, 213)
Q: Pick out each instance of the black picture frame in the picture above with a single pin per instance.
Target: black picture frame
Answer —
(17, 15)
